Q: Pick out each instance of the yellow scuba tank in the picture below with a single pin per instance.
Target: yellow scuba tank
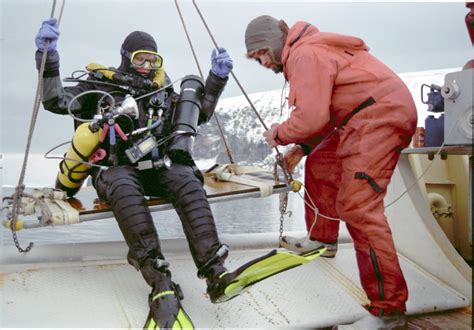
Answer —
(72, 173)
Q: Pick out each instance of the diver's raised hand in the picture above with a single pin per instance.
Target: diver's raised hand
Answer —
(221, 63)
(48, 32)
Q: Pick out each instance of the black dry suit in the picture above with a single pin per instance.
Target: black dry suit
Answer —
(125, 183)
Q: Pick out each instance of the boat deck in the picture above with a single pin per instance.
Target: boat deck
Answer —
(460, 319)
(457, 319)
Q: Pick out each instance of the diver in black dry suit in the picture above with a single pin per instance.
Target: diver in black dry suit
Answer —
(124, 185)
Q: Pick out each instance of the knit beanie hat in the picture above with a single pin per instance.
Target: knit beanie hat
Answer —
(265, 32)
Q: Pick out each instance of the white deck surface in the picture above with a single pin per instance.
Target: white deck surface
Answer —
(112, 294)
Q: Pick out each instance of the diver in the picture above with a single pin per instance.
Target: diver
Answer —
(166, 171)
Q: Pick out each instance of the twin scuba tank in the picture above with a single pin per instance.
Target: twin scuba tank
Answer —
(86, 140)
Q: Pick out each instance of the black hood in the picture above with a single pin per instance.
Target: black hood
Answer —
(135, 41)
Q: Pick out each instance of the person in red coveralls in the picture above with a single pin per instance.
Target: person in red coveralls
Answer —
(351, 115)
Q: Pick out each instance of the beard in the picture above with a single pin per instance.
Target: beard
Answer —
(278, 68)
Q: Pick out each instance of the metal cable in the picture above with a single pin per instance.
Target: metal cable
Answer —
(226, 144)
(279, 156)
(189, 39)
(19, 190)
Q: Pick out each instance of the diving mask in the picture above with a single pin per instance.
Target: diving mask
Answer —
(139, 58)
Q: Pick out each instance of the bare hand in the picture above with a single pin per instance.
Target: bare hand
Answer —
(293, 157)
(270, 135)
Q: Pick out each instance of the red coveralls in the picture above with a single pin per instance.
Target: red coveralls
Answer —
(347, 174)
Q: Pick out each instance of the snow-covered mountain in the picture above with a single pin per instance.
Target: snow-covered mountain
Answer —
(242, 129)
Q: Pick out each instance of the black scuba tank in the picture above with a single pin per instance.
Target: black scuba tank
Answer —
(185, 118)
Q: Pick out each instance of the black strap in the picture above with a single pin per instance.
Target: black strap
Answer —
(71, 171)
(177, 290)
(83, 157)
(300, 34)
(361, 106)
(365, 176)
(220, 254)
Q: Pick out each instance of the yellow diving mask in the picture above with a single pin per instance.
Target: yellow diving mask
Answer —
(139, 58)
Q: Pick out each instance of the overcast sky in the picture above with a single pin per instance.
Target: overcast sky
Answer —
(406, 36)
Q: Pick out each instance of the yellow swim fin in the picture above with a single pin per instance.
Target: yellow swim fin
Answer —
(166, 311)
(229, 285)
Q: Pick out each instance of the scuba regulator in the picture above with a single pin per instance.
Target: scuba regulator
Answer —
(74, 168)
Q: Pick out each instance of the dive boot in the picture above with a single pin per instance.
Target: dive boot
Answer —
(394, 321)
(164, 300)
(227, 285)
(165, 308)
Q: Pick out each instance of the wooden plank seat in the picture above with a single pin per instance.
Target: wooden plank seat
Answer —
(87, 202)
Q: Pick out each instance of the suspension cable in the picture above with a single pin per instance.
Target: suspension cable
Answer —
(189, 39)
(19, 190)
(226, 144)
(279, 156)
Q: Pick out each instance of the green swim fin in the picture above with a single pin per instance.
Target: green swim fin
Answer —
(166, 311)
(230, 285)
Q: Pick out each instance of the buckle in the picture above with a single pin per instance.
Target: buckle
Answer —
(148, 164)
(160, 263)
(177, 290)
(220, 253)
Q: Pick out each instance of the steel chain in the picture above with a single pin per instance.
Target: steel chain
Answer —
(283, 212)
(283, 207)
(14, 214)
